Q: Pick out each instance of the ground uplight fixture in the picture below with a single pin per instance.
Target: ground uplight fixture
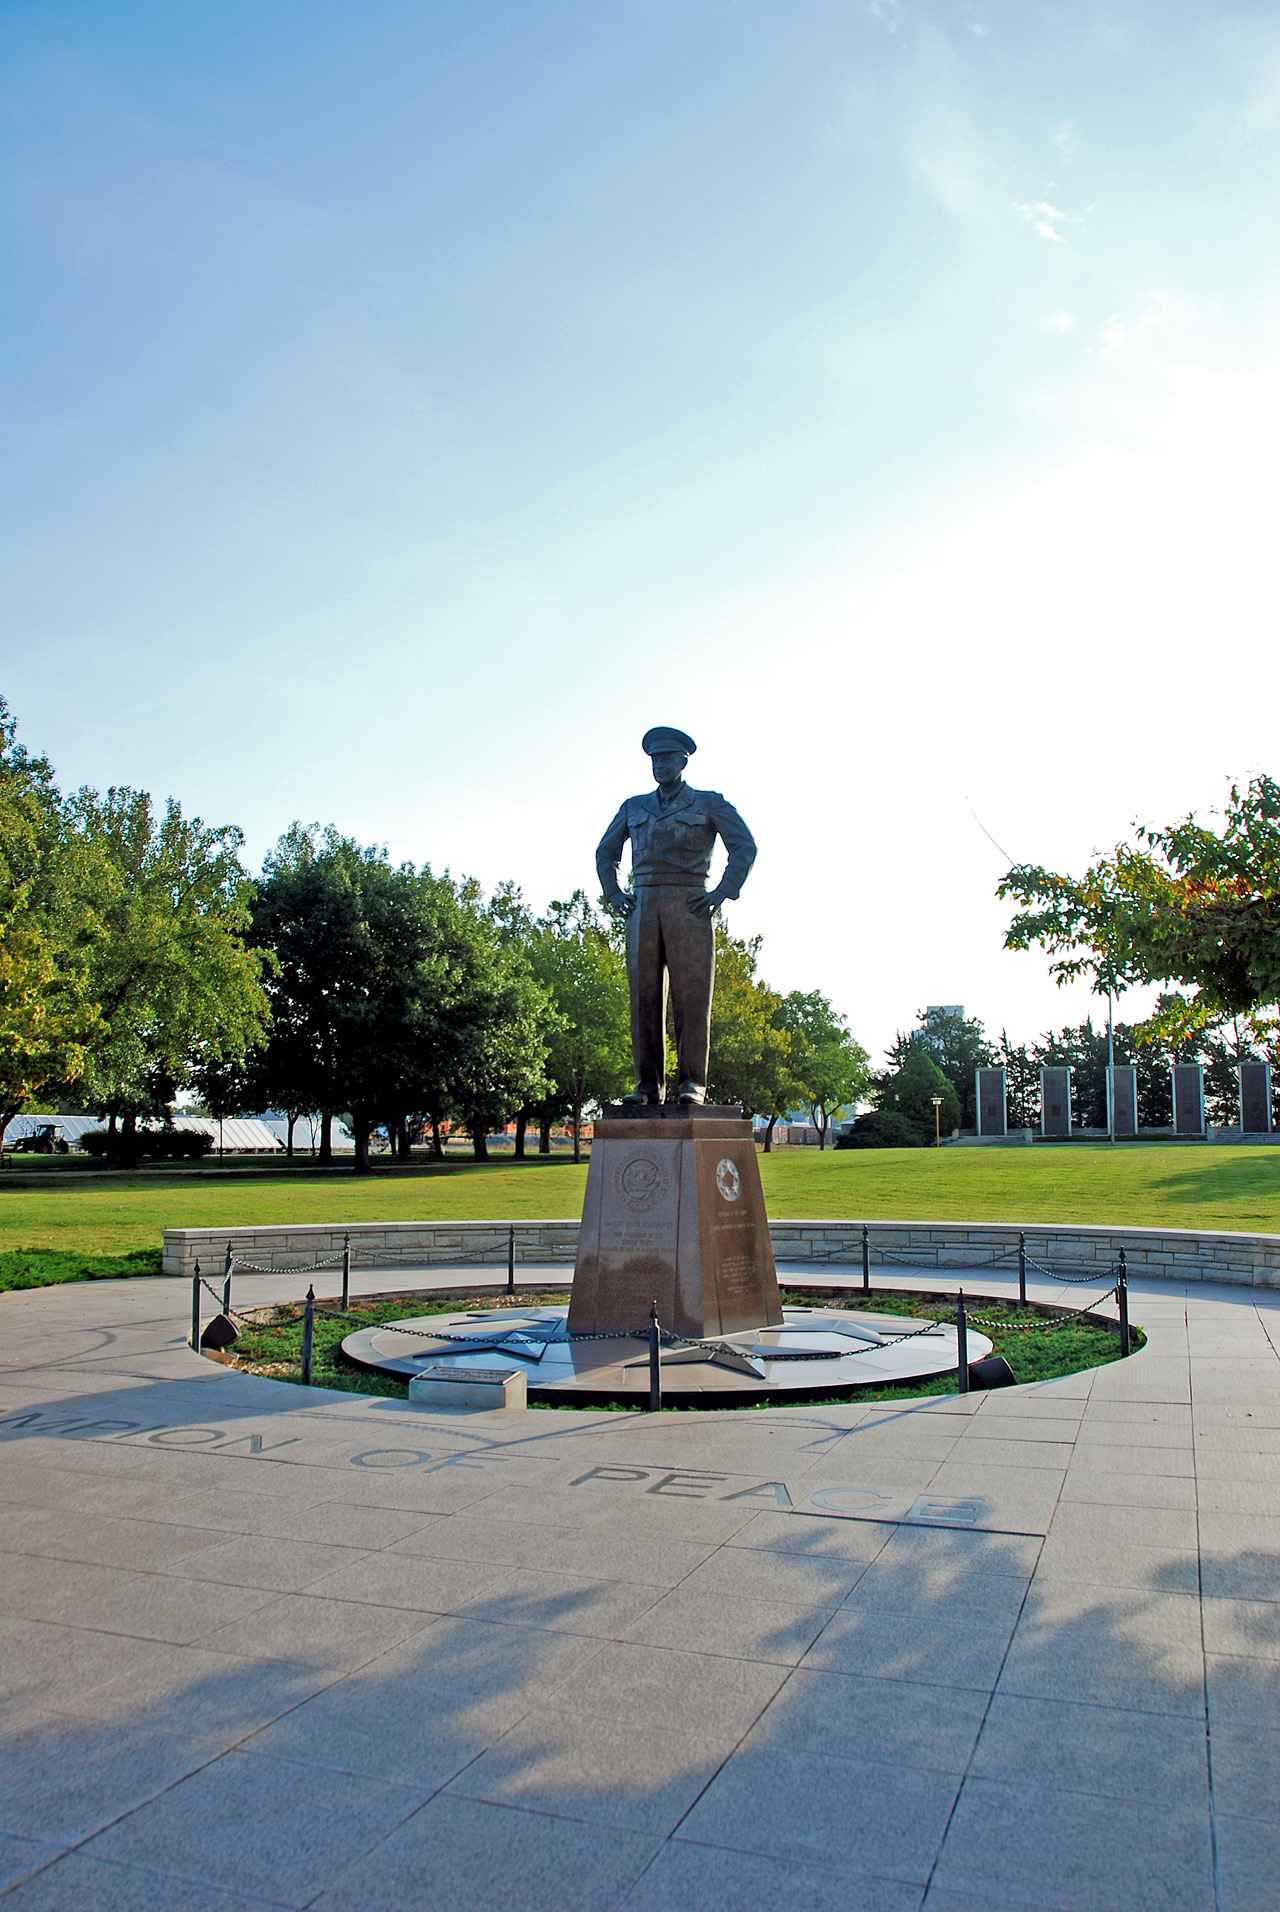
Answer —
(937, 1120)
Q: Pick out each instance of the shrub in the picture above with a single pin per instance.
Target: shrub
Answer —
(155, 1145)
(881, 1129)
(910, 1093)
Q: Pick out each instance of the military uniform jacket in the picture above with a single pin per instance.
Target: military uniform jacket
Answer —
(672, 843)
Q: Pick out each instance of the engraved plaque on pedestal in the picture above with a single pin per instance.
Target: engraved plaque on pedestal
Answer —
(1255, 1098)
(674, 1211)
(1055, 1102)
(1123, 1086)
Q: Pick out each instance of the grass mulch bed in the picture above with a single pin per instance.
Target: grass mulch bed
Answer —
(1038, 1346)
(271, 1342)
(43, 1267)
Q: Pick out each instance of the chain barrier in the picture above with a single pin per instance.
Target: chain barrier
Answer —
(1080, 1277)
(1053, 1321)
(477, 1341)
(361, 1267)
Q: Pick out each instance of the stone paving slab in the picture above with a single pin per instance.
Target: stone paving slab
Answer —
(266, 1646)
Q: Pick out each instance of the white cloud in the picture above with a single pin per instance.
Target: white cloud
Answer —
(1044, 217)
(1058, 322)
(1161, 315)
(890, 13)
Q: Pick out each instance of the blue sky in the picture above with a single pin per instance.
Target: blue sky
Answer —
(406, 406)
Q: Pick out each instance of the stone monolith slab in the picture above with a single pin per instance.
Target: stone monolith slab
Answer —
(674, 1212)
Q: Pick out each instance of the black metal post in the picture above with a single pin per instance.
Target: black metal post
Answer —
(195, 1309)
(866, 1261)
(228, 1269)
(1122, 1296)
(655, 1362)
(346, 1269)
(308, 1331)
(511, 1261)
(962, 1346)
(1022, 1270)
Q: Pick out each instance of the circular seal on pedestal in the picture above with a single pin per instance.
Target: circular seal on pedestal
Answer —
(640, 1182)
(728, 1178)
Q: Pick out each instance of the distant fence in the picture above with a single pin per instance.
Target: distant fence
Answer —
(1180, 1254)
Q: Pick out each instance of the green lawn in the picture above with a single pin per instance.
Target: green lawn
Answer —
(1185, 1186)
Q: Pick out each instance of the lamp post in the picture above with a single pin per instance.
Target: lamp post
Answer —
(937, 1120)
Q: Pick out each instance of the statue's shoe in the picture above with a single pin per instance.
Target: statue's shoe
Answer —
(643, 1092)
(691, 1093)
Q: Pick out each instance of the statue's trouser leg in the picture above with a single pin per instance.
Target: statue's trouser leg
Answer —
(689, 944)
(647, 975)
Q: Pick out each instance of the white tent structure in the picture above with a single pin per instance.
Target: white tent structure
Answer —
(69, 1127)
(241, 1135)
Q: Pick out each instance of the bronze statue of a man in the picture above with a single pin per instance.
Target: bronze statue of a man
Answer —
(669, 911)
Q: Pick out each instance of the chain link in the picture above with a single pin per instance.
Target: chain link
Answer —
(477, 1341)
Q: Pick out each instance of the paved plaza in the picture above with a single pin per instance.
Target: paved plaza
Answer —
(267, 1647)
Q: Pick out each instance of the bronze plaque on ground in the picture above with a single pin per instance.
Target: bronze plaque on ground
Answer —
(674, 1212)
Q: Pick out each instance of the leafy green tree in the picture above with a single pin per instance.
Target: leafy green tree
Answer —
(881, 1129)
(959, 1047)
(356, 943)
(396, 998)
(53, 886)
(173, 975)
(495, 1039)
(909, 1092)
(751, 1044)
(1187, 906)
(1021, 1082)
(575, 954)
(833, 1068)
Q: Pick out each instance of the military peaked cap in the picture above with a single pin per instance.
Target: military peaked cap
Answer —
(662, 737)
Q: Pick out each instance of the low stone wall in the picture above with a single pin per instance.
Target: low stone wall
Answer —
(1182, 1254)
(373, 1244)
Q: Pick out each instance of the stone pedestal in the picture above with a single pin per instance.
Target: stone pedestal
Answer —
(674, 1212)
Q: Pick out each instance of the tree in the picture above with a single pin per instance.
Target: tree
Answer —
(173, 976)
(959, 1047)
(357, 945)
(1082, 1049)
(394, 995)
(751, 1045)
(881, 1129)
(909, 1092)
(53, 885)
(1021, 1082)
(495, 1035)
(575, 955)
(1186, 905)
(832, 1067)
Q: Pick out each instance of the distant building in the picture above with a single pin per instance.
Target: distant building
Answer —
(955, 1009)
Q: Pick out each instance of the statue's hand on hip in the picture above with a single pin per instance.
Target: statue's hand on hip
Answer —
(705, 901)
(621, 903)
